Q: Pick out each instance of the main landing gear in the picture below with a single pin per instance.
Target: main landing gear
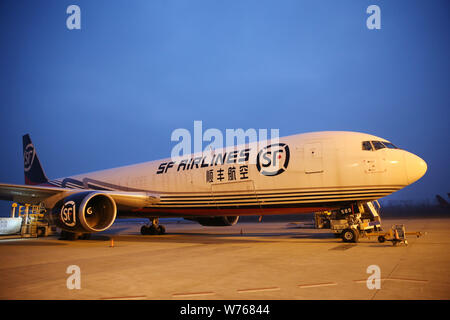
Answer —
(153, 228)
(72, 236)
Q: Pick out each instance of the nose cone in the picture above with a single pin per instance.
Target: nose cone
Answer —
(415, 167)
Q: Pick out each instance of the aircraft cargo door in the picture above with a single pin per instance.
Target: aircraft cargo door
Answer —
(313, 157)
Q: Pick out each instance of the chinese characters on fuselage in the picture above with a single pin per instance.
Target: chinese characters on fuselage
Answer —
(215, 159)
(232, 173)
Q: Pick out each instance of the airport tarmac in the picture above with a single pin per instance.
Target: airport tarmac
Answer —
(267, 260)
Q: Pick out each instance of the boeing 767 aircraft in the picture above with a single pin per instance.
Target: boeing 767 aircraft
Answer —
(301, 173)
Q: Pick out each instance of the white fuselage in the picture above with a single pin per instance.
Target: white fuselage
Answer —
(300, 173)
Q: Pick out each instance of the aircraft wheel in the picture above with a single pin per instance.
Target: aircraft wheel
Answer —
(145, 230)
(85, 236)
(161, 230)
(152, 230)
(66, 235)
(350, 235)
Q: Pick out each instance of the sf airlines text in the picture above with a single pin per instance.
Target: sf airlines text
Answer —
(228, 309)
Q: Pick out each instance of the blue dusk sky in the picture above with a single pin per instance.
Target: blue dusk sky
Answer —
(111, 93)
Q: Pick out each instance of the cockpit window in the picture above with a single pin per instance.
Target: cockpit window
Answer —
(389, 145)
(378, 145)
(366, 145)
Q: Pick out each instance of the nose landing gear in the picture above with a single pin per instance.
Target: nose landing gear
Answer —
(153, 228)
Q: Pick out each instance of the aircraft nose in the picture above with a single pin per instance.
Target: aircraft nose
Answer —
(415, 167)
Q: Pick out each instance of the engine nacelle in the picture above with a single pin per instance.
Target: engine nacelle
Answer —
(217, 221)
(85, 212)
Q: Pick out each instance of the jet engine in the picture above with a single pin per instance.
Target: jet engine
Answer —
(84, 212)
(217, 221)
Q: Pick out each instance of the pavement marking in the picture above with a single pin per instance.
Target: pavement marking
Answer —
(315, 285)
(408, 280)
(258, 290)
(395, 279)
(192, 294)
(125, 298)
(15, 239)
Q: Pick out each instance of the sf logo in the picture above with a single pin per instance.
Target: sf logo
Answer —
(28, 157)
(273, 159)
(68, 214)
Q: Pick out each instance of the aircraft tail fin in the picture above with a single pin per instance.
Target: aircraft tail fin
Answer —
(34, 174)
(442, 202)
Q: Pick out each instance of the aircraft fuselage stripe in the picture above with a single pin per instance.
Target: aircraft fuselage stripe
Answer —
(257, 196)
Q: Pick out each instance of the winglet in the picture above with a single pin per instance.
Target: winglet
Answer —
(34, 174)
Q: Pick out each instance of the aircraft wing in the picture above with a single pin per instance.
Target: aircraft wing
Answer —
(36, 194)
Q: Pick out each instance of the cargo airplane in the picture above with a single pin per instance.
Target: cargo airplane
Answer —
(301, 173)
